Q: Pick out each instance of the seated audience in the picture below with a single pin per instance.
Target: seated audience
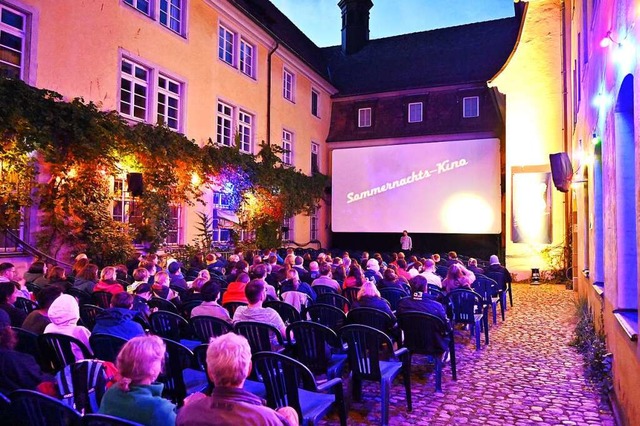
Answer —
(473, 266)
(373, 270)
(355, 278)
(122, 275)
(19, 370)
(430, 273)
(79, 264)
(260, 272)
(118, 320)
(402, 269)
(87, 278)
(64, 314)
(160, 288)
(9, 292)
(108, 281)
(339, 273)
(495, 266)
(58, 276)
(38, 319)
(239, 267)
(256, 294)
(136, 396)
(391, 280)
(458, 277)
(292, 291)
(326, 279)
(37, 270)
(314, 272)
(140, 276)
(228, 366)
(369, 297)
(235, 290)
(194, 293)
(175, 276)
(453, 258)
(210, 294)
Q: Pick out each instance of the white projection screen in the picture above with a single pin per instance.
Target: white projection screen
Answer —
(438, 187)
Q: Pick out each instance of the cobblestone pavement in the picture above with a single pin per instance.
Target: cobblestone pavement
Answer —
(527, 375)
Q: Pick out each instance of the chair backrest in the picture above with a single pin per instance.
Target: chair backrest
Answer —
(351, 293)
(423, 333)
(367, 346)
(393, 296)
(372, 317)
(232, 306)
(327, 315)
(5, 406)
(88, 315)
(35, 289)
(105, 420)
(177, 358)
(35, 409)
(57, 352)
(168, 325)
(105, 346)
(102, 299)
(81, 296)
(187, 307)
(282, 377)
(179, 290)
(261, 336)
(82, 385)
(485, 287)
(25, 304)
(313, 344)
(442, 271)
(498, 277)
(27, 342)
(320, 289)
(162, 305)
(206, 327)
(465, 304)
(287, 312)
(334, 299)
(436, 291)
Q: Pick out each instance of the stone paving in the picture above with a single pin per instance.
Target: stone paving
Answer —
(527, 375)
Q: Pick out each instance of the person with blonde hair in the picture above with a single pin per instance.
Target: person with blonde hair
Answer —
(135, 396)
(228, 365)
(458, 277)
(369, 297)
(160, 288)
(108, 282)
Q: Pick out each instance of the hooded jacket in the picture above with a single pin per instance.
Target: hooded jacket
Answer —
(64, 314)
(118, 322)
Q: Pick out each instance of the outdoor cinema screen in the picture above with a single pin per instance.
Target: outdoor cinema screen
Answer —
(439, 187)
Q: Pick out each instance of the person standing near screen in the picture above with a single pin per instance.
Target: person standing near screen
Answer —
(405, 243)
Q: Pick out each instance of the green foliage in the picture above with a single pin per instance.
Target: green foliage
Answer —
(204, 228)
(268, 234)
(558, 257)
(591, 343)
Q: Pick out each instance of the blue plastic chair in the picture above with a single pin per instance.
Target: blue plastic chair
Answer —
(371, 357)
(504, 286)
(316, 346)
(35, 409)
(393, 296)
(488, 289)
(289, 383)
(106, 347)
(328, 315)
(182, 374)
(56, 350)
(206, 327)
(82, 385)
(468, 308)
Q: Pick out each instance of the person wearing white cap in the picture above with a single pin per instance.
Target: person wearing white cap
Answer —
(495, 266)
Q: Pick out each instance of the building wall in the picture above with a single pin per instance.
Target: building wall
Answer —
(76, 50)
(533, 85)
(607, 218)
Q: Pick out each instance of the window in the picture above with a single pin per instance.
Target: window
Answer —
(134, 90)
(470, 107)
(315, 158)
(246, 58)
(224, 124)
(221, 200)
(415, 112)
(170, 13)
(226, 43)
(313, 232)
(221, 235)
(314, 103)
(364, 117)
(245, 122)
(168, 102)
(287, 146)
(287, 229)
(12, 43)
(287, 85)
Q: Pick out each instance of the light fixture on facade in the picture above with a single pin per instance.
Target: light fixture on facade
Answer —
(595, 139)
(608, 39)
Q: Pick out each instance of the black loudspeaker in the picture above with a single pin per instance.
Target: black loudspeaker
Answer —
(561, 171)
(135, 184)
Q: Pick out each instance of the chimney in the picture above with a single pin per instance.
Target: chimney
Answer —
(355, 24)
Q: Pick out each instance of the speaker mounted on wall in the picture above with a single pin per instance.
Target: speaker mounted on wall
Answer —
(135, 184)
(561, 171)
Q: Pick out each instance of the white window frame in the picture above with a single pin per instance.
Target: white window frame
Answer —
(288, 234)
(287, 145)
(364, 117)
(136, 4)
(245, 130)
(314, 226)
(226, 45)
(172, 94)
(247, 58)
(315, 105)
(415, 112)
(288, 85)
(224, 121)
(135, 82)
(472, 103)
(173, 15)
(221, 200)
(21, 34)
(315, 154)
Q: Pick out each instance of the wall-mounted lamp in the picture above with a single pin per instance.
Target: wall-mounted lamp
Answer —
(608, 40)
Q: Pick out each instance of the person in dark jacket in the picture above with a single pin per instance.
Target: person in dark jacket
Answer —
(38, 319)
(369, 297)
(19, 370)
(118, 320)
(9, 292)
(392, 280)
(175, 276)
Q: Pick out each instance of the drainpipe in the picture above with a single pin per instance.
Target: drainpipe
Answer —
(271, 52)
(568, 200)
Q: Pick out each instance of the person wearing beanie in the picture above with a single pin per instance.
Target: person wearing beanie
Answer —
(373, 270)
(496, 267)
(64, 314)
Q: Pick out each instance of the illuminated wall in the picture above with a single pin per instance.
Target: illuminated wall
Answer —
(532, 83)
